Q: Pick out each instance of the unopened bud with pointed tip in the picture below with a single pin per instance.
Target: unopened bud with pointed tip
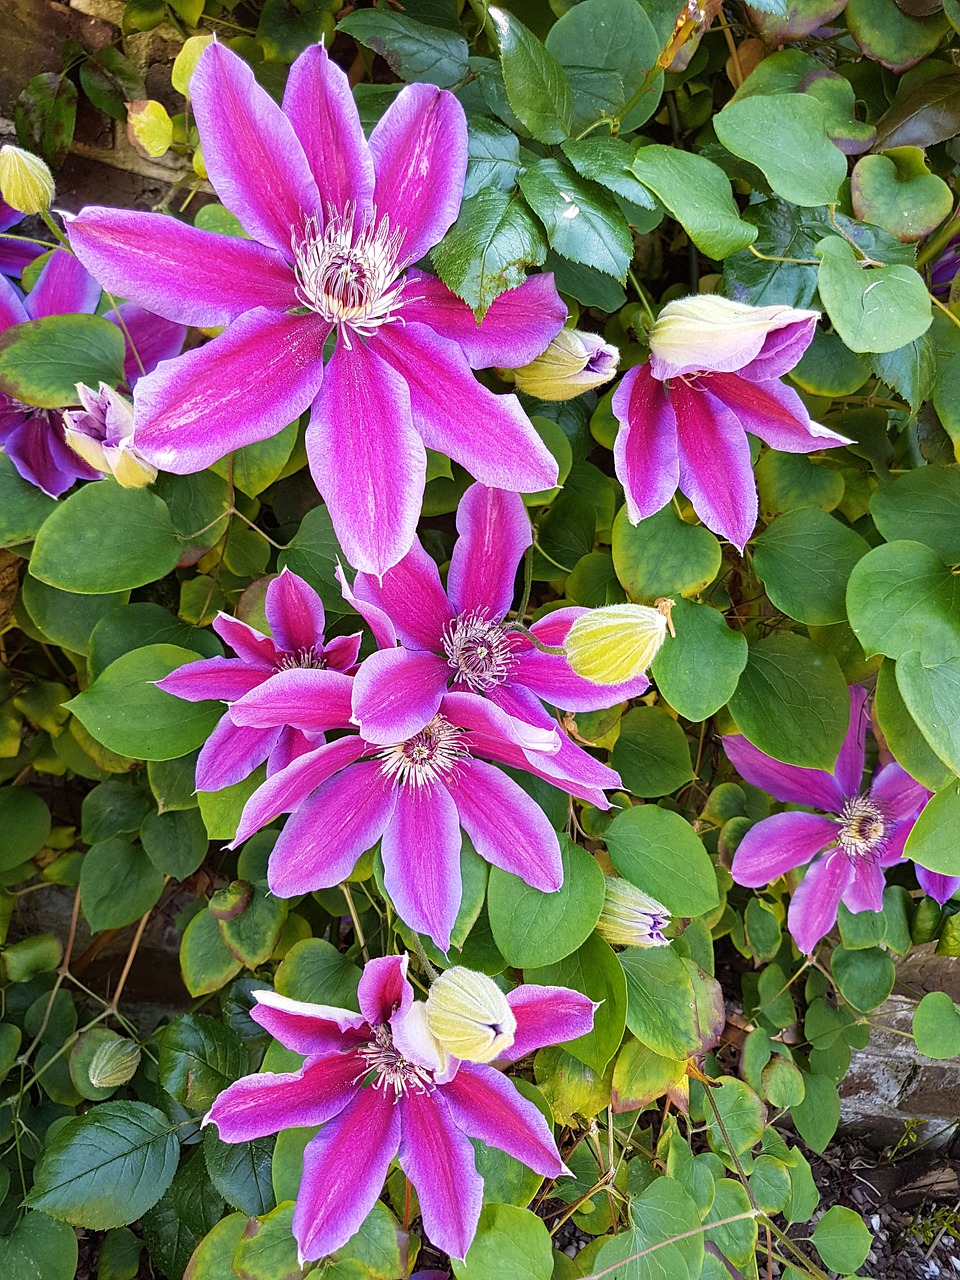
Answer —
(102, 433)
(26, 184)
(114, 1063)
(630, 917)
(468, 1014)
(574, 361)
(619, 641)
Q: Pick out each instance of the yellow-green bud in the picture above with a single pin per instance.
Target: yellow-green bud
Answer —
(468, 1014)
(575, 361)
(114, 1063)
(26, 184)
(630, 917)
(619, 641)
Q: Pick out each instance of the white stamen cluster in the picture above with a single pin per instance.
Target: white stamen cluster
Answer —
(299, 658)
(478, 650)
(427, 757)
(863, 827)
(347, 271)
(392, 1070)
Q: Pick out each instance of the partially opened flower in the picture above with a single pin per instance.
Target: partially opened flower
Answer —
(848, 850)
(470, 1016)
(461, 637)
(574, 362)
(335, 224)
(102, 434)
(296, 617)
(714, 374)
(630, 917)
(380, 1086)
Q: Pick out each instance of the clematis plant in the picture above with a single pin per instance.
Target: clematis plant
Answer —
(15, 254)
(849, 850)
(296, 617)
(102, 433)
(379, 1083)
(336, 224)
(713, 375)
(460, 638)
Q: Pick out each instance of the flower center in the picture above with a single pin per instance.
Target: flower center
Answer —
(427, 757)
(347, 271)
(391, 1069)
(308, 657)
(478, 650)
(863, 827)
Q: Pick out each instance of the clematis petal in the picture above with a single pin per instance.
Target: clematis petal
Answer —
(440, 1162)
(267, 1103)
(255, 648)
(365, 457)
(486, 1105)
(344, 1169)
(250, 150)
(547, 1015)
(775, 413)
(483, 716)
(707, 331)
(848, 771)
(319, 104)
(576, 771)
(177, 271)
(295, 613)
(342, 652)
(63, 287)
(396, 692)
(938, 887)
(507, 827)
(516, 329)
(489, 435)
(495, 532)
(899, 795)
(14, 257)
(304, 1027)
(715, 470)
(865, 891)
(813, 907)
(231, 753)
(421, 860)
(384, 989)
(290, 746)
(645, 456)
(412, 597)
(550, 676)
(776, 845)
(329, 830)
(419, 150)
(285, 790)
(782, 348)
(379, 622)
(306, 698)
(12, 310)
(242, 387)
(213, 678)
(148, 337)
(788, 782)
(37, 448)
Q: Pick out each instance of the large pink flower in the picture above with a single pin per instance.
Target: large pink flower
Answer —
(336, 223)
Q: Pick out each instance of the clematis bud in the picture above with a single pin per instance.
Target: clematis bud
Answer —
(468, 1014)
(26, 184)
(574, 361)
(619, 641)
(707, 331)
(630, 917)
(102, 434)
(114, 1063)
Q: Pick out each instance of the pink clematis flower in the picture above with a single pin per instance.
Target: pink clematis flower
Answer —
(296, 617)
(413, 795)
(336, 223)
(15, 255)
(460, 638)
(33, 437)
(864, 834)
(714, 374)
(379, 1083)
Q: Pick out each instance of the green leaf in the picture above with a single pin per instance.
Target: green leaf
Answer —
(489, 247)
(911, 370)
(641, 1075)
(901, 596)
(697, 193)
(651, 754)
(205, 963)
(898, 192)
(787, 274)
(213, 1257)
(175, 842)
(70, 551)
(662, 1211)
(933, 841)
(23, 507)
(315, 970)
(221, 810)
(110, 81)
(608, 161)
(376, 1251)
(65, 617)
(119, 1256)
(125, 711)
(267, 1249)
(698, 669)
(107, 1167)
(936, 1026)
(313, 554)
(864, 976)
(241, 1171)
(536, 84)
(660, 853)
(118, 884)
(252, 935)
(660, 1001)
(926, 113)
(45, 116)
(931, 693)
(24, 826)
(663, 556)
(41, 361)
(828, 368)
(890, 35)
(39, 1248)
(736, 1240)
(595, 971)
(791, 702)
(922, 506)
(583, 221)
(493, 157)
(134, 626)
(199, 1057)
(902, 734)
(872, 308)
(804, 559)
(842, 1240)
(741, 1115)
(510, 1243)
(787, 481)
(255, 467)
(412, 50)
(818, 1115)
(532, 928)
(785, 136)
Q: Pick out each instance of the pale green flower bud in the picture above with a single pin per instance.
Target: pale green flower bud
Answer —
(574, 361)
(707, 331)
(630, 917)
(468, 1014)
(26, 184)
(617, 642)
(114, 1063)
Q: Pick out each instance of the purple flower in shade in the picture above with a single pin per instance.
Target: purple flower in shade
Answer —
(15, 255)
(850, 849)
(459, 637)
(413, 795)
(944, 269)
(713, 376)
(336, 223)
(379, 1084)
(33, 437)
(296, 617)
